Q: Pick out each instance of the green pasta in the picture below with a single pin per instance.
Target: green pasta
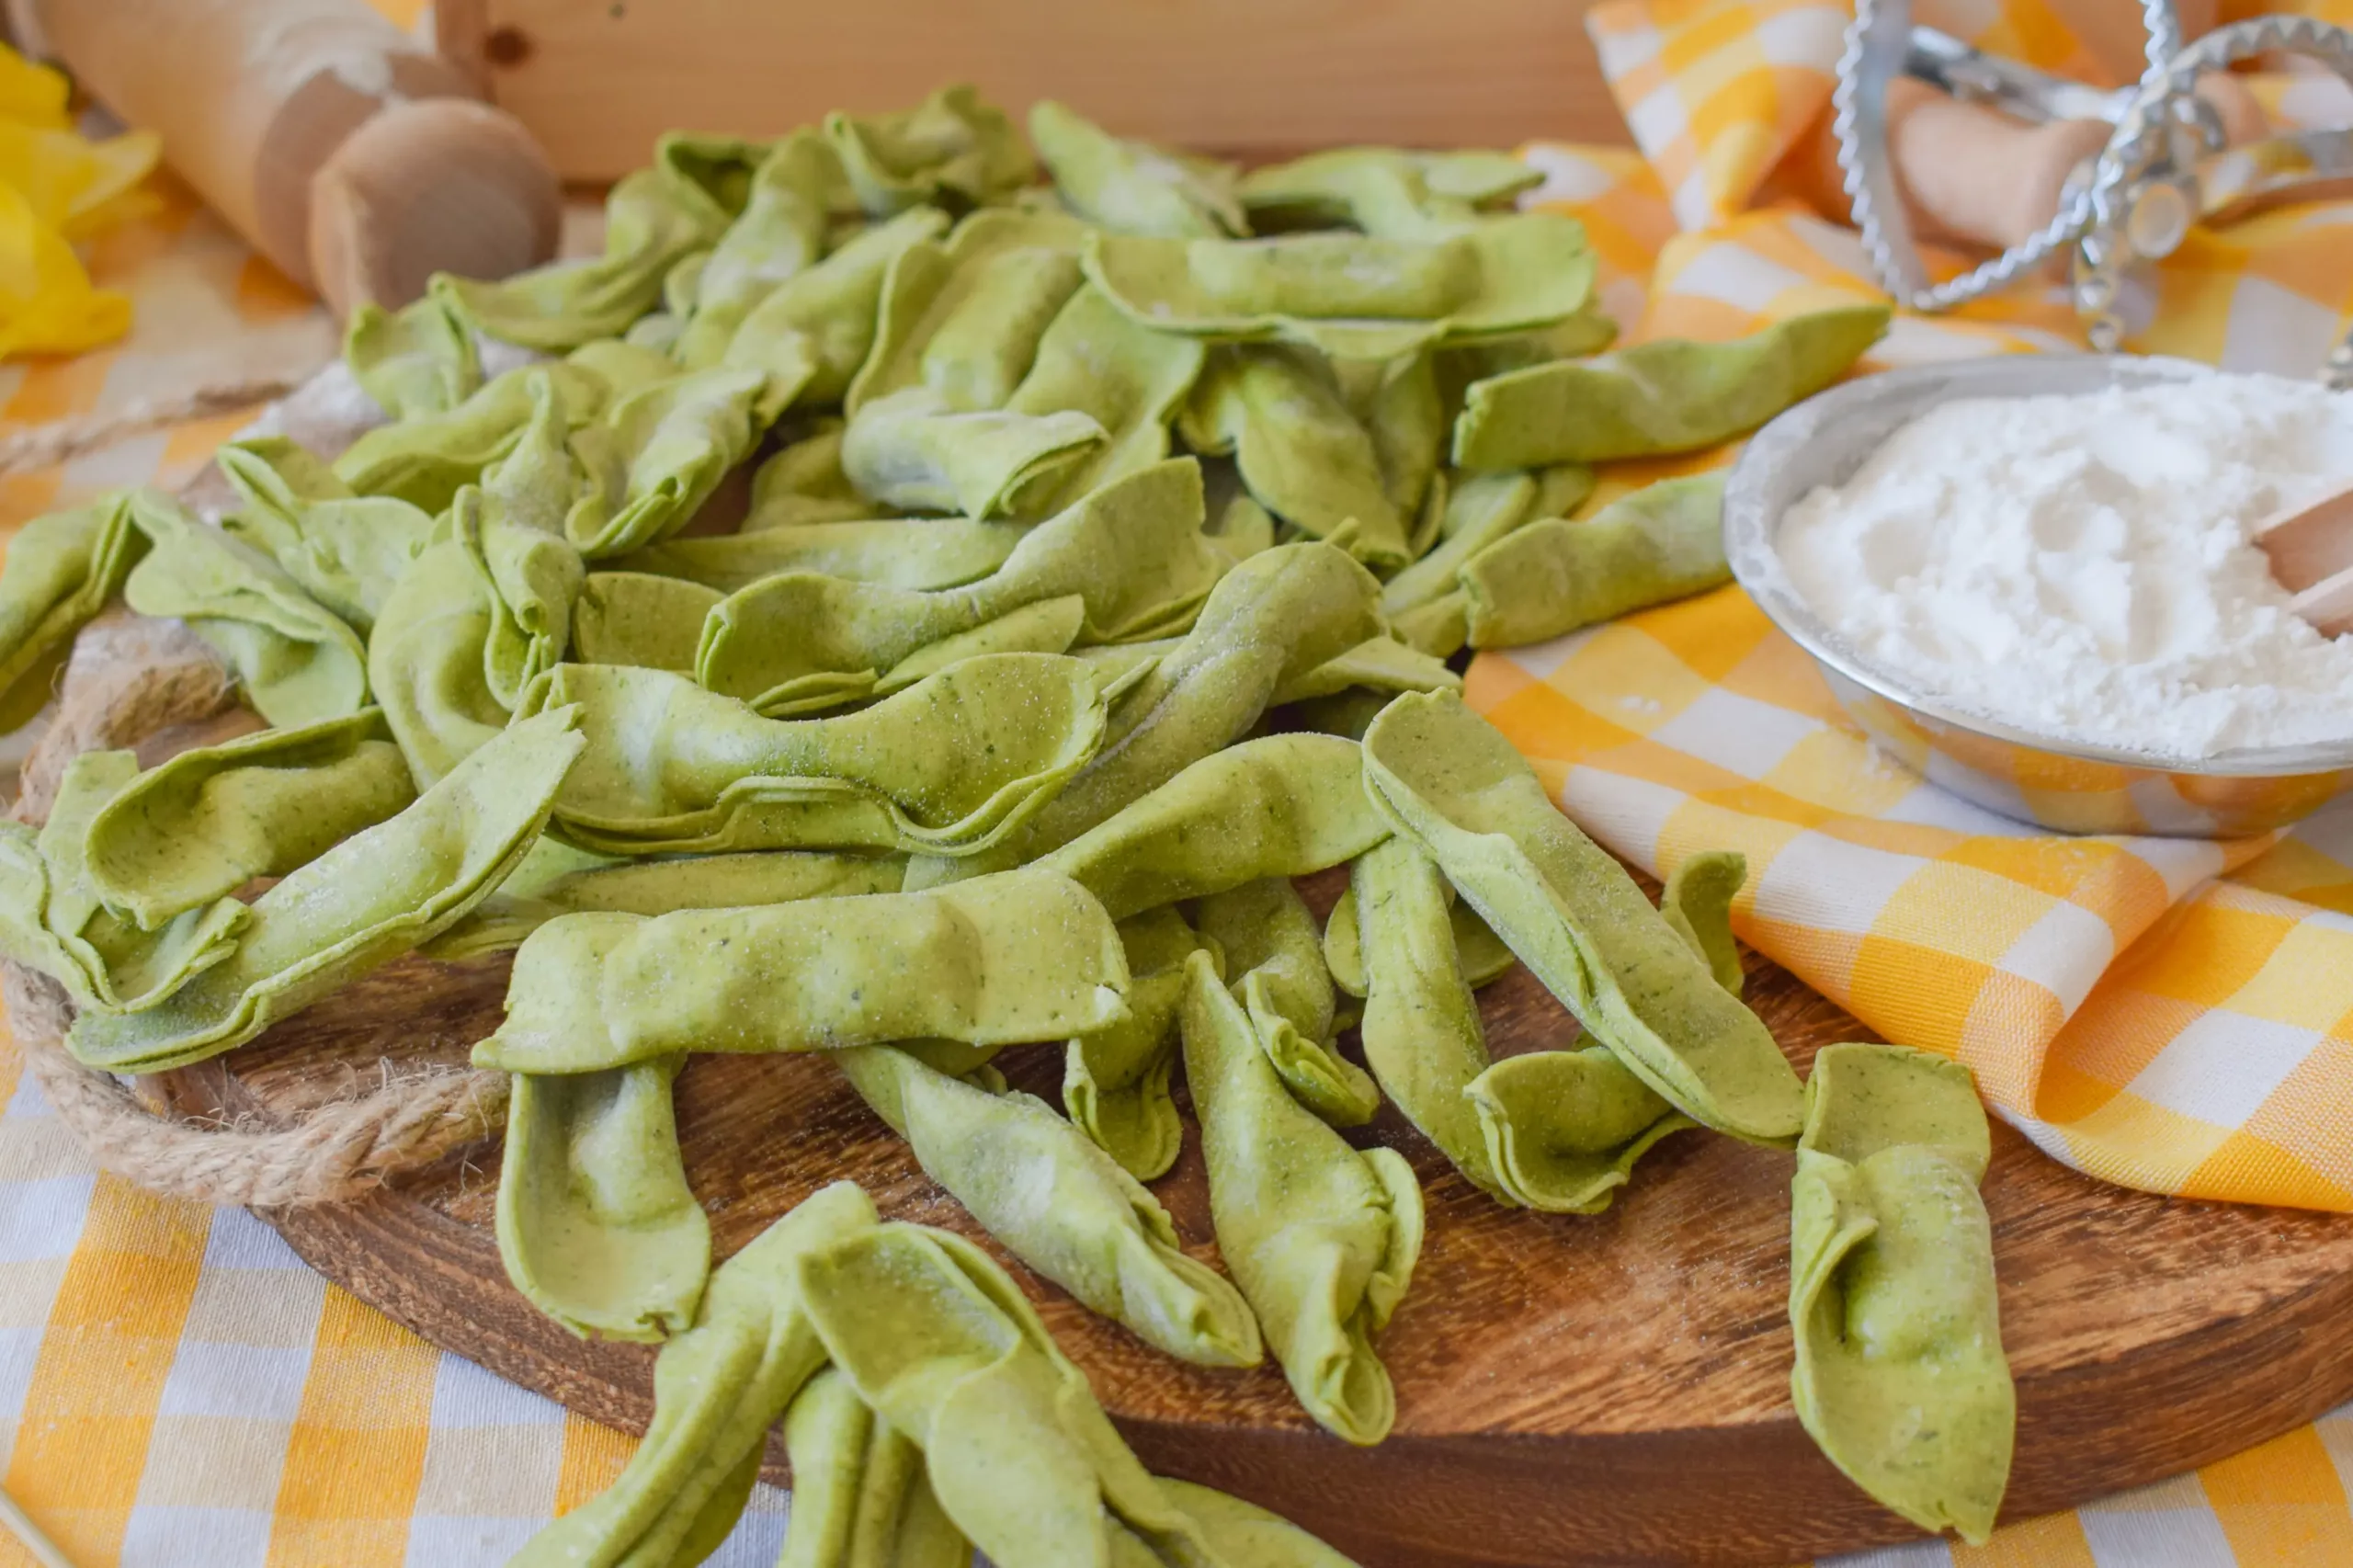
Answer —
(197, 827)
(918, 554)
(25, 934)
(824, 318)
(523, 903)
(1027, 956)
(1274, 959)
(1133, 188)
(960, 324)
(1421, 1029)
(105, 963)
(486, 608)
(802, 480)
(952, 147)
(1697, 903)
(860, 1495)
(1133, 550)
(1270, 619)
(1481, 510)
(61, 570)
(717, 1389)
(1575, 918)
(1555, 1130)
(1587, 332)
(681, 285)
(344, 550)
(425, 460)
(651, 217)
(951, 765)
(993, 725)
(943, 1347)
(1352, 296)
(418, 359)
(295, 661)
(964, 318)
(1279, 806)
(1900, 1376)
(1398, 405)
(1477, 950)
(598, 373)
(779, 234)
(1130, 380)
(633, 617)
(916, 450)
(1102, 1237)
(1049, 626)
(1431, 515)
(1320, 1237)
(517, 537)
(596, 1225)
(1380, 665)
(1299, 448)
(1439, 626)
(1242, 526)
(1384, 190)
(1667, 395)
(658, 453)
(428, 658)
(374, 896)
(1664, 541)
(1564, 1128)
(1115, 1079)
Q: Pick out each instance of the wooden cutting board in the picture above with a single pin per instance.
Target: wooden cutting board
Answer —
(1570, 1390)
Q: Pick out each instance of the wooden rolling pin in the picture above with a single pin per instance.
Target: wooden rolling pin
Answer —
(1973, 176)
(355, 160)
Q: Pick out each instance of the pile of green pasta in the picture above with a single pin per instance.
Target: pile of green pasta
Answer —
(993, 724)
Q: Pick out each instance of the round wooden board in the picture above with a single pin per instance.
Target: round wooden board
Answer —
(1570, 1390)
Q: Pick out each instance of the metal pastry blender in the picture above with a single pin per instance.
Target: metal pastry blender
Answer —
(2184, 147)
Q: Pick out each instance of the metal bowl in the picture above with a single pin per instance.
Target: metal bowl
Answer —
(2067, 785)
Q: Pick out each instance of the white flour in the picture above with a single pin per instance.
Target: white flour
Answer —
(2079, 566)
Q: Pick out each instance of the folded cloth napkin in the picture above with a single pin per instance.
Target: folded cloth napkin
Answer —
(2166, 1013)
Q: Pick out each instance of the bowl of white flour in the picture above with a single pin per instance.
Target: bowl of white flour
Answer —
(2031, 577)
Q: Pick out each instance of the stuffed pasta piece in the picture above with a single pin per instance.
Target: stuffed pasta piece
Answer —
(1900, 1374)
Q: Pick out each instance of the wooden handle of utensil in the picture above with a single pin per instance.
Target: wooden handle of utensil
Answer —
(1968, 175)
(1972, 173)
(442, 185)
(263, 104)
(1973, 176)
(2110, 31)
(2236, 105)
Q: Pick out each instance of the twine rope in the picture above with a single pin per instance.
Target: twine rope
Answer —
(130, 679)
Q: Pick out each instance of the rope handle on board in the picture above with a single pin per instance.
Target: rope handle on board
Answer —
(132, 678)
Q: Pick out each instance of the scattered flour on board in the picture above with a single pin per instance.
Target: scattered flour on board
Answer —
(2080, 566)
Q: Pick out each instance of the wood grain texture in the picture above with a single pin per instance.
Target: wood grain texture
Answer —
(1570, 1390)
(598, 83)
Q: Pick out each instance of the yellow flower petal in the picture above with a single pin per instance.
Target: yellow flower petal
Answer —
(30, 93)
(46, 305)
(64, 179)
(116, 165)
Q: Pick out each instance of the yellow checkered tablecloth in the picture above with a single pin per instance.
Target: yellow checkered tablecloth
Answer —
(176, 1388)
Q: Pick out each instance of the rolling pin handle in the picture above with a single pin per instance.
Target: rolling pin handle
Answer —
(431, 186)
(1974, 174)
